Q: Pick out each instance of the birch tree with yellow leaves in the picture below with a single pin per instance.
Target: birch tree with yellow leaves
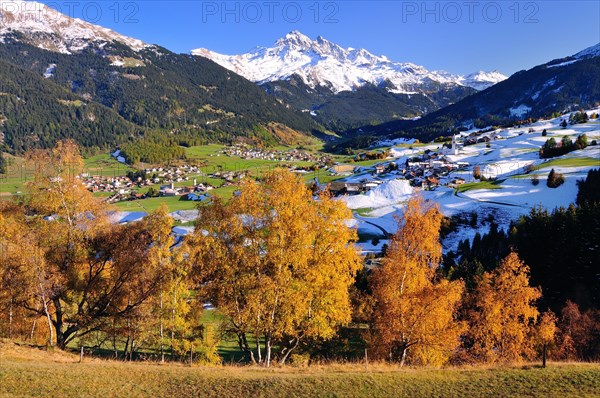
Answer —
(503, 313)
(277, 262)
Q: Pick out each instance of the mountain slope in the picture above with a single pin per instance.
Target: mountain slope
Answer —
(147, 87)
(346, 88)
(557, 86)
(35, 112)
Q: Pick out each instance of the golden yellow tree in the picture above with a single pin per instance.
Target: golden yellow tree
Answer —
(277, 262)
(19, 260)
(415, 312)
(503, 313)
(546, 333)
(174, 310)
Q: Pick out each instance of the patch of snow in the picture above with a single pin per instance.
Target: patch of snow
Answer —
(388, 193)
(520, 110)
(50, 71)
(184, 215)
(124, 217)
(563, 64)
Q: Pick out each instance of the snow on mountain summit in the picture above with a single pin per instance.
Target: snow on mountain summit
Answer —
(47, 28)
(482, 80)
(321, 62)
(590, 52)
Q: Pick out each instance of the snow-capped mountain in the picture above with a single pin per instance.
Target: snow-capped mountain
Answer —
(482, 80)
(561, 85)
(46, 28)
(323, 63)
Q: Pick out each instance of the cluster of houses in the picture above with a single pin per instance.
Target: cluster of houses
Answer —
(198, 191)
(171, 174)
(151, 176)
(117, 184)
(292, 155)
(124, 188)
(427, 172)
(229, 176)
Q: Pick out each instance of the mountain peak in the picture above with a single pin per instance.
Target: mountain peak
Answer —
(321, 62)
(294, 38)
(48, 29)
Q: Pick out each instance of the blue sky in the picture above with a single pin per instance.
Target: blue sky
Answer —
(457, 36)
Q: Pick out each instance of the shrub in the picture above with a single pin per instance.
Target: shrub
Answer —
(535, 180)
(300, 360)
(555, 179)
(529, 168)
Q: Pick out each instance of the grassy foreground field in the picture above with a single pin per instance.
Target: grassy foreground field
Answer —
(29, 372)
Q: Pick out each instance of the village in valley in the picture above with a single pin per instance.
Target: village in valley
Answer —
(492, 171)
(489, 171)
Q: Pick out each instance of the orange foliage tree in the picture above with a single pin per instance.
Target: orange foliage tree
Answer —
(415, 316)
(85, 271)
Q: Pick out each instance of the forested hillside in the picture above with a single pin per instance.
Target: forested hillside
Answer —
(561, 85)
(107, 94)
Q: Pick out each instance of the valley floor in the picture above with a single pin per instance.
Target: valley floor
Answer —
(30, 372)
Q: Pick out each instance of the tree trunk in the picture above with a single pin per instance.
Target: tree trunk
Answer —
(33, 329)
(544, 351)
(243, 343)
(162, 347)
(126, 349)
(45, 305)
(258, 350)
(289, 350)
(132, 349)
(58, 324)
(10, 318)
(403, 360)
(173, 323)
(268, 351)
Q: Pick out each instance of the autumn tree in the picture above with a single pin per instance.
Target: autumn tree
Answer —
(277, 262)
(579, 333)
(503, 313)
(91, 271)
(175, 311)
(546, 333)
(19, 262)
(415, 311)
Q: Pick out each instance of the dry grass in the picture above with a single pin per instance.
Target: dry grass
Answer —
(32, 372)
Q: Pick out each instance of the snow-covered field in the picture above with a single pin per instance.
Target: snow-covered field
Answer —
(505, 158)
